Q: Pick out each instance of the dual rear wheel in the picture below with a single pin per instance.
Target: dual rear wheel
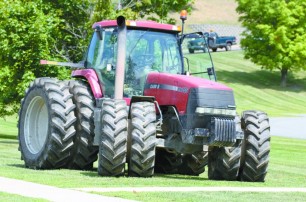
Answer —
(113, 146)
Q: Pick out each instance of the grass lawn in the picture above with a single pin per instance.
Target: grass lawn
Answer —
(17, 198)
(287, 169)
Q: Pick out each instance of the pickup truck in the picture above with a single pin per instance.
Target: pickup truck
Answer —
(215, 41)
(210, 40)
(197, 42)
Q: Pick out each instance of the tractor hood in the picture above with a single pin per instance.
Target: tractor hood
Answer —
(188, 92)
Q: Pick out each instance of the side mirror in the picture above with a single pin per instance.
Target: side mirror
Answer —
(99, 32)
(210, 71)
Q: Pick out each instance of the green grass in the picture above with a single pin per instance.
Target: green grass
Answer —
(209, 196)
(17, 198)
(287, 169)
(259, 89)
(8, 127)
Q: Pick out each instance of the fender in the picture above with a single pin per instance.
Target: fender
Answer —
(92, 78)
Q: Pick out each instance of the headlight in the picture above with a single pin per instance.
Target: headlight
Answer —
(215, 111)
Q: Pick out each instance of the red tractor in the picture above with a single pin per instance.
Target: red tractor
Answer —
(137, 100)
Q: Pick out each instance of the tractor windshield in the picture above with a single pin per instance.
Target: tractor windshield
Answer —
(146, 51)
(198, 60)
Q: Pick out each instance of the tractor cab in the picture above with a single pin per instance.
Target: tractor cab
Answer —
(147, 50)
(150, 47)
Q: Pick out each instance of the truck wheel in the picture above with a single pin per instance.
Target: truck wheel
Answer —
(113, 145)
(255, 147)
(224, 163)
(143, 139)
(194, 164)
(191, 50)
(46, 124)
(228, 47)
(166, 162)
(214, 49)
(84, 152)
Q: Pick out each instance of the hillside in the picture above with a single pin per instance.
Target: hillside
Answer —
(212, 12)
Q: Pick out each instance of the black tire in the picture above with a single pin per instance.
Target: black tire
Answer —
(143, 139)
(224, 163)
(85, 154)
(194, 164)
(46, 124)
(214, 49)
(228, 47)
(113, 145)
(166, 162)
(255, 147)
(191, 50)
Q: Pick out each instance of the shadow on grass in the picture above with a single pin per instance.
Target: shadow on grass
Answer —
(18, 166)
(11, 137)
(94, 173)
(180, 177)
(262, 79)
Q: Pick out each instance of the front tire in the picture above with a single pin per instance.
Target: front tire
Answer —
(224, 163)
(255, 147)
(46, 124)
(143, 139)
(113, 145)
(167, 162)
(194, 164)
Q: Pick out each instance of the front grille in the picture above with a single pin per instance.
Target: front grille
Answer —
(223, 132)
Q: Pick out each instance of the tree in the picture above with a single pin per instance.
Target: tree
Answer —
(156, 10)
(275, 35)
(30, 31)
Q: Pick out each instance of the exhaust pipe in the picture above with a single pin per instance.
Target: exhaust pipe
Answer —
(121, 53)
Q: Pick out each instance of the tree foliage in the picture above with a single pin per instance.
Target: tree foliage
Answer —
(57, 30)
(30, 31)
(275, 35)
(156, 10)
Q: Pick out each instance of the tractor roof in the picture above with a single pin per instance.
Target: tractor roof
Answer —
(139, 24)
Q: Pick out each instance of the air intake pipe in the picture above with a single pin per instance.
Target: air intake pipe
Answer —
(121, 53)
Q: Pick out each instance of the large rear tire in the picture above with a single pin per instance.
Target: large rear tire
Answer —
(194, 164)
(143, 139)
(46, 124)
(255, 147)
(85, 154)
(113, 145)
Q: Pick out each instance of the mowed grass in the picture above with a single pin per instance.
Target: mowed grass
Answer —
(18, 198)
(287, 169)
(259, 89)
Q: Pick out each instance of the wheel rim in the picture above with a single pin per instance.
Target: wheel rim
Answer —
(36, 125)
